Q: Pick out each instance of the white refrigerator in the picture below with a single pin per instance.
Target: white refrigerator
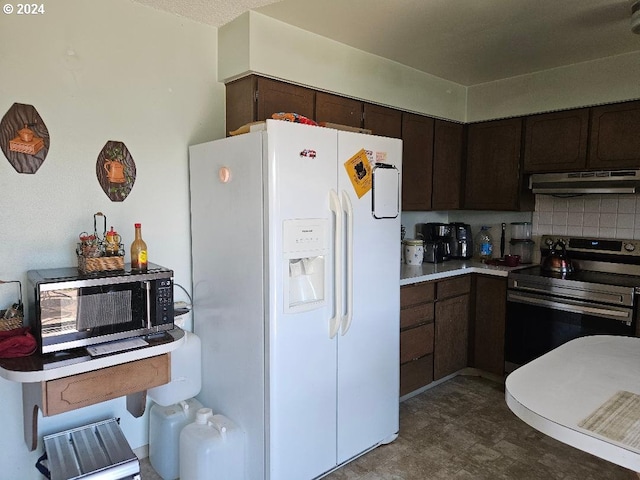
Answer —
(296, 268)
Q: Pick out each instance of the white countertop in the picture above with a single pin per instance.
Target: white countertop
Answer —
(556, 391)
(433, 271)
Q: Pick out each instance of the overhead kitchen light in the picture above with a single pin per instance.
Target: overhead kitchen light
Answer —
(635, 17)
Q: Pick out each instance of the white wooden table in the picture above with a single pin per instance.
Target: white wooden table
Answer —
(556, 391)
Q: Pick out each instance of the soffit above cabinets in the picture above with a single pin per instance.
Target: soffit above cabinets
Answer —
(465, 41)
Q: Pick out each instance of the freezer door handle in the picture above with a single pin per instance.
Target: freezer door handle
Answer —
(348, 212)
(334, 322)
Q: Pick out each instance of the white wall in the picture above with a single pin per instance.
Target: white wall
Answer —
(607, 80)
(255, 43)
(99, 71)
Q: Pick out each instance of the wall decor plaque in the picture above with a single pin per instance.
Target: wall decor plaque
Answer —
(24, 138)
(116, 170)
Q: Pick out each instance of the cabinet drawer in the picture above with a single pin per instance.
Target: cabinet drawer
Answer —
(413, 316)
(417, 293)
(68, 393)
(454, 287)
(416, 374)
(416, 342)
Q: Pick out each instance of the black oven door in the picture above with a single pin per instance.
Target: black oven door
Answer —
(536, 324)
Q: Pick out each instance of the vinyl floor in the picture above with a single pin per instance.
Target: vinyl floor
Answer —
(462, 429)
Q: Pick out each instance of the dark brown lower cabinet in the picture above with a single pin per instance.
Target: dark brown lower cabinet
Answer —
(489, 325)
(451, 335)
(451, 324)
(416, 374)
(416, 336)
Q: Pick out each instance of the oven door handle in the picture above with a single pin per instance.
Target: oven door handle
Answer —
(620, 315)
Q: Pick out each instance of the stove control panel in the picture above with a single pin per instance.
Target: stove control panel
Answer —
(592, 245)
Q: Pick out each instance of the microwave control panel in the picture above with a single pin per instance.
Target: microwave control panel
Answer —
(164, 301)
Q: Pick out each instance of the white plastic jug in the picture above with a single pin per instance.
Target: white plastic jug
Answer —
(165, 425)
(211, 448)
(186, 373)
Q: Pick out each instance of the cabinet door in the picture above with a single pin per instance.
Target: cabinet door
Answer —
(451, 336)
(417, 161)
(336, 109)
(492, 181)
(489, 325)
(556, 141)
(383, 121)
(614, 140)
(274, 97)
(241, 102)
(448, 145)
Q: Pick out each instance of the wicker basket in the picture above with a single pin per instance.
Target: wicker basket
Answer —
(100, 264)
(9, 323)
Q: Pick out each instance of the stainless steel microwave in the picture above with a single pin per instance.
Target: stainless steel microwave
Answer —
(68, 310)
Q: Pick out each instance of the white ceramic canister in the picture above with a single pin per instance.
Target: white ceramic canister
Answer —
(413, 252)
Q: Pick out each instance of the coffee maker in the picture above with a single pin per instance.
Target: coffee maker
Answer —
(436, 238)
(461, 241)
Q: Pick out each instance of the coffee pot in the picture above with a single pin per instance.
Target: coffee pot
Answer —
(460, 242)
(115, 171)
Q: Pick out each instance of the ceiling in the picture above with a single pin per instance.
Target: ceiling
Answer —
(464, 41)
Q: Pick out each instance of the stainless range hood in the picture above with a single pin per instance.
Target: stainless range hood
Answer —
(618, 181)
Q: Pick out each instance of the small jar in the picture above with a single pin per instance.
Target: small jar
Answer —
(523, 248)
(521, 230)
(413, 252)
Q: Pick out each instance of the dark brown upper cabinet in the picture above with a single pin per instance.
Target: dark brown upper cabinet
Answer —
(252, 99)
(383, 120)
(615, 136)
(340, 110)
(557, 141)
(417, 161)
(448, 145)
(493, 179)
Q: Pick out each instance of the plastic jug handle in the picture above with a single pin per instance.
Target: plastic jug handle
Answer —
(220, 427)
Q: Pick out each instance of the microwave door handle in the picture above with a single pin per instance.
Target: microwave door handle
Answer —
(147, 288)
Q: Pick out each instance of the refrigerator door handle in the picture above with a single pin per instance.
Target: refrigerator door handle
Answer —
(348, 211)
(334, 206)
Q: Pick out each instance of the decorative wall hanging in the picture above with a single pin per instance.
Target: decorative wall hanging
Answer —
(24, 138)
(116, 170)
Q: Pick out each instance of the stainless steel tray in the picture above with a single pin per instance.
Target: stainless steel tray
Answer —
(95, 451)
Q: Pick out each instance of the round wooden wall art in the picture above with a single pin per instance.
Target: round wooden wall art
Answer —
(116, 170)
(24, 138)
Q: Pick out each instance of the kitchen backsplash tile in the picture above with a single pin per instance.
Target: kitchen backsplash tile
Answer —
(606, 216)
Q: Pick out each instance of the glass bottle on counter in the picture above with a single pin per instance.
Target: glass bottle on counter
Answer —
(484, 244)
(139, 251)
